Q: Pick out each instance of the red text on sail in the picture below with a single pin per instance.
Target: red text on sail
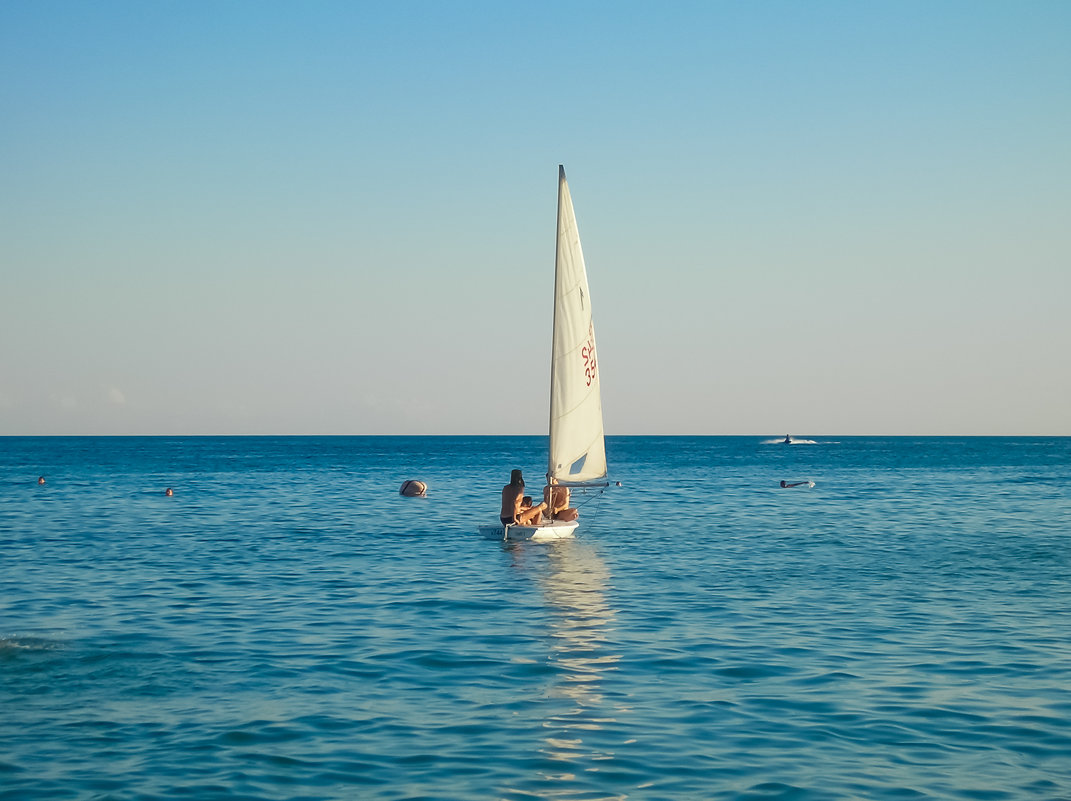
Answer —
(588, 354)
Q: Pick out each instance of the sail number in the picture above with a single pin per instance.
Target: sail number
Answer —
(588, 354)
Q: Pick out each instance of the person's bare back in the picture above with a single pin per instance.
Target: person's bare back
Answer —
(511, 502)
(513, 510)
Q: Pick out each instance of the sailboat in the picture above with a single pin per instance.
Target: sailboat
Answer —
(576, 453)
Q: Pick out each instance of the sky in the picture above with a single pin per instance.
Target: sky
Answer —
(338, 217)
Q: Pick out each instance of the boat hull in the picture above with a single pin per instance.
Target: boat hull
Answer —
(543, 532)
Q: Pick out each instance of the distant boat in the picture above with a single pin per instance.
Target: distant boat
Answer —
(790, 440)
(576, 451)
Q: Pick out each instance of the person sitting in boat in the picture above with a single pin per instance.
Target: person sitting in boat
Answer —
(556, 499)
(514, 510)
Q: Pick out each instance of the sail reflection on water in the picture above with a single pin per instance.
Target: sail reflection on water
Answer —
(577, 724)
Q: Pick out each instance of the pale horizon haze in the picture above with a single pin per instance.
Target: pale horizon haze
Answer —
(338, 218)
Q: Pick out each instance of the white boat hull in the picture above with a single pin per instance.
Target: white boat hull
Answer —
(543, 532)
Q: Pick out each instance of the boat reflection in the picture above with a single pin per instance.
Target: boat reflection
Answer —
(580, 724)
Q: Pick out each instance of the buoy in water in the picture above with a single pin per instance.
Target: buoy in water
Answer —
(413, 489)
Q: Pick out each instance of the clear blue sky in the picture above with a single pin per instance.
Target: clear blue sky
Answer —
(338, 217)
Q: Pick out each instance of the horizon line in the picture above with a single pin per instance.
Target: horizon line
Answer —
(470, 436)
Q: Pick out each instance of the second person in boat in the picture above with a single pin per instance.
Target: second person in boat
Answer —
(556, 501)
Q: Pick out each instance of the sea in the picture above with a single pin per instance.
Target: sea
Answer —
(286, 625)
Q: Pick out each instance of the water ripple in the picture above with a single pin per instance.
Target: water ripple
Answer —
(287, 627)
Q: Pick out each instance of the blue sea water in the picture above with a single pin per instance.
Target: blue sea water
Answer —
(286, 626)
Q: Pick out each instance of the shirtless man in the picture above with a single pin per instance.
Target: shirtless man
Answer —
(513, 511)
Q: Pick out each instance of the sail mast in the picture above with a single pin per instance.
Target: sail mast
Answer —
(554, 326)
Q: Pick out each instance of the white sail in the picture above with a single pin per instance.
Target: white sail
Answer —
(577, 452)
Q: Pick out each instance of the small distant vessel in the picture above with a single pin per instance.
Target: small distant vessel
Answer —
(576, 451)
(787, 440)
